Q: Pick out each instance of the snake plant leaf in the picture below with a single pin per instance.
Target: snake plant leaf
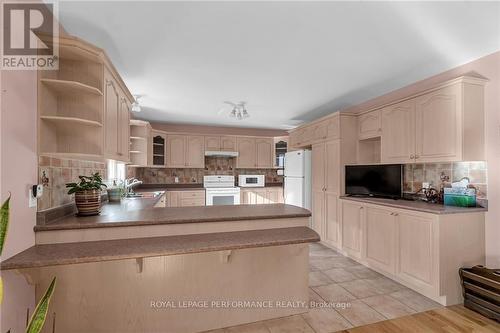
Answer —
(38, 318)
(4, 222)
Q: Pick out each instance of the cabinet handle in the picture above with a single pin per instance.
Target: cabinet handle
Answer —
(412, 157)
(416, 156)
(396, 214)
(361, 207)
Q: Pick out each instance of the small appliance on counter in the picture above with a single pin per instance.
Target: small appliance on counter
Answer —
(297, 182)
(251, 180)
(460, 194)
(220, 190)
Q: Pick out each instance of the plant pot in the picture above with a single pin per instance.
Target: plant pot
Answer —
(88, 202)
(114, 194)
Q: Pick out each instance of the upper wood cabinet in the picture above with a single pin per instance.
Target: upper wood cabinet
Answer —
(316, 132)
(442, 125)
(247, 152)
(185, 151)
(140, 143)
(212, 143)
(370, 125)
(159, 148)
(264, 150)
(228, 143)
(111, 112)
(124, 129)
(398, 128)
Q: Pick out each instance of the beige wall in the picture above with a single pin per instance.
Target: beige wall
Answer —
(208, 130)
(18, 171)
(489, 67)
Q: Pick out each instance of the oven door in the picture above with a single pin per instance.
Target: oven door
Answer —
(222, 197)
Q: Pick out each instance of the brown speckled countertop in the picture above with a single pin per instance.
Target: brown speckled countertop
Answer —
(85, 252)
(135, 212)
(419, 206)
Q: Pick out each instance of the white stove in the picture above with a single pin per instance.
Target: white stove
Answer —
(220, 190)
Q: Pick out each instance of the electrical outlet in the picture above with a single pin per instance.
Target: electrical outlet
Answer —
(32, 200)
(426, 185)
(176, 179)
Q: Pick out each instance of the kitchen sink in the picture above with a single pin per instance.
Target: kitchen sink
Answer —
(144, 195)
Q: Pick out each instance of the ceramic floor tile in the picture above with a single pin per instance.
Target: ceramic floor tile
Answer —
(334, 293)
(360, 314)
(363, 272)
(340, 275)
(325, 320)
(326, 263)
(360, 288)
(385, 285)
(293, 324)
(312, 268)
(323, 253)
(314, 297)
(414, 300)
(249, 328)
(388, 306)
(318, 278)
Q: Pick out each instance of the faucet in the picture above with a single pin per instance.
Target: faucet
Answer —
(130, 183)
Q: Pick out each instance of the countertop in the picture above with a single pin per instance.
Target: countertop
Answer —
(420, 206)
(85, 252)
(186, 187)
(135, 212)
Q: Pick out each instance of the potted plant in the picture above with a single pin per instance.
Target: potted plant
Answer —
(87, 194)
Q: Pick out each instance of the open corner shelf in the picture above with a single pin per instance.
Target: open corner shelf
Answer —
(71, 120)
(71, 87)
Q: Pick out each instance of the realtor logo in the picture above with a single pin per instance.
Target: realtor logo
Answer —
(29, 36)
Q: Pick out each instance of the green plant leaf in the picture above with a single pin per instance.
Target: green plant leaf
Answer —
(4, 222)
(40, 314)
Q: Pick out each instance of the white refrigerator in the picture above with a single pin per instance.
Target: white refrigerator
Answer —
(297, 183)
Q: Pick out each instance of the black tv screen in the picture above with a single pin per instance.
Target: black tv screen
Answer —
(374, 180)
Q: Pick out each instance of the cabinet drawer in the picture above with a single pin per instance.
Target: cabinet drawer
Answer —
(192, 202)
(192, 195)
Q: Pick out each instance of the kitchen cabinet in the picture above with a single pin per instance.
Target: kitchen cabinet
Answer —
(228, 143)
(212, 143)
(369, 125)
(326, 189)
(380, 231)
(398, 133)
(444, 124)
(261, 195)
(111, 116)
(186, 198)
(352, 226)
(317, 132)
(247, 152)
(185, 151)
(159, 148)
(264, 152)
(141, 143)
(124, 130)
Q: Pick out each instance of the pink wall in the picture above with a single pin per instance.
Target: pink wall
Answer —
(489, 67)
(18, 171)
(209, 130)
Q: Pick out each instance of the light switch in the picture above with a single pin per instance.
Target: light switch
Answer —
(32, 200)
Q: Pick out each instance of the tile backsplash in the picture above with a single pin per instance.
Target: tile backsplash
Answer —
(433, 173)
(54, 173)
(213, 166)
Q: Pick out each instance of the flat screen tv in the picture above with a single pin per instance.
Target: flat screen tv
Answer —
(374, 180)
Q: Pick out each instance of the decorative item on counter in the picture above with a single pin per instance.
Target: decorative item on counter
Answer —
(115, 192)
(87, 194)
(460, 194)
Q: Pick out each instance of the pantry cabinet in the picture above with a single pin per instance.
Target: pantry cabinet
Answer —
(441, 125)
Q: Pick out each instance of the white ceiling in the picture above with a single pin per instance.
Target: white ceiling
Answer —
(291, 61)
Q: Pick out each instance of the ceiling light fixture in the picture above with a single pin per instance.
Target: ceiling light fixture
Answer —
(136, 107)
(239, 110)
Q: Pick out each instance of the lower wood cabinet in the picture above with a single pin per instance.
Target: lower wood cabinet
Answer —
(257, 196)
(421, 250)
(186, 198)
(332, 226)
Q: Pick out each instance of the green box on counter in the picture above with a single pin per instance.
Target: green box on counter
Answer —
(460, 197)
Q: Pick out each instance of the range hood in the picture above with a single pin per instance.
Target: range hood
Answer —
(216, 153)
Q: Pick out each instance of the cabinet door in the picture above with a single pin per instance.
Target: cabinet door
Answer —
(331, 219)
(246, 153)
(173, 199)
(308, 135)
(318, 212)
(159, 144)
(264, 149)
(272, 195)
(398, 133)
(369, 125)
(260, 196)
(228, 143)
(195, 151)
(439, 126)
(333, 127)
(176, 151)
(248, 197)
(352, 228)
(380, 239)
(318, 167)
(124, 130)
(416, 249)
(332, 167)
(212, 143)
(112, 110)
(321, 131)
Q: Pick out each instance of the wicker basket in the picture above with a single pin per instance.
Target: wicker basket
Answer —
(88, 202)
